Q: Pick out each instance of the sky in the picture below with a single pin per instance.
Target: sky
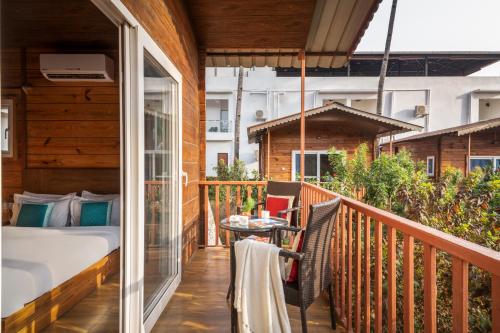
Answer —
(438, 25)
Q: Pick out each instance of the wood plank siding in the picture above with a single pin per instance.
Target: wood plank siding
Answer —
(450, 150)
(318, 136)
(167, 22)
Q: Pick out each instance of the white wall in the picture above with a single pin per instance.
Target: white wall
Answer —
(452, 101)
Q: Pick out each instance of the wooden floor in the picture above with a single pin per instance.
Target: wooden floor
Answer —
(99, 312)
(199, 305)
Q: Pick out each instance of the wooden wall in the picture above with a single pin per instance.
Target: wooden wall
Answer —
(453, 152)
(318, 137)
(168, 24)
(68, 134)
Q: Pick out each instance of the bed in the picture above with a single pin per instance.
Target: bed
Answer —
(45, 271)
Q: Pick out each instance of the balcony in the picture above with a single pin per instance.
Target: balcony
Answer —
(219, 130)
(377, 258)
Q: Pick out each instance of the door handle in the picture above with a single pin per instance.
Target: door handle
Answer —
(185, 174)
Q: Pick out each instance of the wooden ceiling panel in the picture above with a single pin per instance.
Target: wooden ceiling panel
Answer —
(230, 24)
(48, 23)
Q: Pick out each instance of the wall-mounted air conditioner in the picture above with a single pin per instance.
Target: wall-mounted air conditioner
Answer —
(260, 115)
(77, 67)
(421, 111)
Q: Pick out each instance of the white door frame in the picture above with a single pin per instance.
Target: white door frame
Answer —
(133, 40)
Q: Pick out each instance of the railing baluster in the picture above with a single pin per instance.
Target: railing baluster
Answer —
(349, 269)
(342, 258)
(249, 191)
(205, 211)
(391, 277)
(408, 272)
(337, 258)
(378, 277)
(259, 199)
(430, 291)
(357, 317)
(495, 303)
(228, 213)
(217, 215)
(460, 290)
(238, 198)
(367, 315)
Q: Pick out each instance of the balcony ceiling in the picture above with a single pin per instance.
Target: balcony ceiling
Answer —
(270, 32)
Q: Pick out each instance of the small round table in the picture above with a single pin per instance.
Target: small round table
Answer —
(255, 225)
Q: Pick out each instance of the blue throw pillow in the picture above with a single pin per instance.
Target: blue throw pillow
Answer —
(95, 213)
(34, 214)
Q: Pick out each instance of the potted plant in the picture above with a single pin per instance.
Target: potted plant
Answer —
(247, 207)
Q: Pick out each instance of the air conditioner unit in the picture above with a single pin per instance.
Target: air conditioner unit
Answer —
(77, 67)
(260, 115)
(421, 111)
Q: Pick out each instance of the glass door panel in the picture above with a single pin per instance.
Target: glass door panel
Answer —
(160, 161)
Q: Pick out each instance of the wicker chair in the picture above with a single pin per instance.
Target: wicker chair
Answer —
(314, 273)
(286, 189)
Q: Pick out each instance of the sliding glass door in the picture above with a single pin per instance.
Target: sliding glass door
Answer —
(160, 242)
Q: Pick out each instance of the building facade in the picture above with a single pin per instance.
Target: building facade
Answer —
(446, 97)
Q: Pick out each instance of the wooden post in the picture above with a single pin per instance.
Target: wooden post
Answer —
(268, 165)
(302, 58)
(467, 156)
(390, 143)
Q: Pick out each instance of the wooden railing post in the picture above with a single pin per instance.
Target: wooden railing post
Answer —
(357, 316)
(367, 315)
(378, 277)
(430, 292)
(391, 280)
(408, 274)
(460, 290)
(342, 258)
(228, 213)
(217, 215)
(207, 202)
(349, 269)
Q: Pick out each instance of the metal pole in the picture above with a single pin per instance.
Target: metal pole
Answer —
(467, 157)
(302, 58)
(390, 143)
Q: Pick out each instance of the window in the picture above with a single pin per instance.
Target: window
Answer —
(7, 125)
(224, 157)
(484, 162)
(316, 164)
(430, 166)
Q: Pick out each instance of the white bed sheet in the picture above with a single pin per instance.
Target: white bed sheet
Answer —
(36, 260)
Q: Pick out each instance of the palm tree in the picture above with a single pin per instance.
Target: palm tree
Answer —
(238, 116)
(385, 60)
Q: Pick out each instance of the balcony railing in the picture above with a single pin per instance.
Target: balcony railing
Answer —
(219, 126)
(352, 271)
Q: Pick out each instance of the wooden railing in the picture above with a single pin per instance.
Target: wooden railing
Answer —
(348, 265)
(235, 192)
(365, 238)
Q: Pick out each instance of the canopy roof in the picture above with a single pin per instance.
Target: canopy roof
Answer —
(458, 130)
(338, 113)
(272, 32)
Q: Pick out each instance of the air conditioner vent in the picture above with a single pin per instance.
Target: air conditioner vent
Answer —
(55, 76)
(260, 115)
(421, 111)
(77, 67)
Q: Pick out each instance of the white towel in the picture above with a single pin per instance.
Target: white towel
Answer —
(259, 298)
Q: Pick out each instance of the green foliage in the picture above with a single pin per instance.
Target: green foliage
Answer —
(249, 205)
(467, 207)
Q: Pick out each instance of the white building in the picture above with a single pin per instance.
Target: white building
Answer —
(438, 84)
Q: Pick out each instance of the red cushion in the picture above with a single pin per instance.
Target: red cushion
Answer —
(274, 205)
(294, 271)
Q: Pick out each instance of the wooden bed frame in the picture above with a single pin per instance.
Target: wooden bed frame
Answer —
(46, 309)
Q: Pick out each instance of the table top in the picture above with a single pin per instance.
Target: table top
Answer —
(255, 224)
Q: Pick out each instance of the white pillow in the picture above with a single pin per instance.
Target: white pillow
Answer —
(60, 212)
(76, 208)
(47, 196)
(115, 208)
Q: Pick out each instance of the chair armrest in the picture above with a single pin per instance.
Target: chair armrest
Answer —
(290, 254)
(289, 210)
(286, 228)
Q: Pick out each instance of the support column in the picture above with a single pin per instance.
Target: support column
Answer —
(467, 156)
(390, 143)
(268, 164)
(302, 58)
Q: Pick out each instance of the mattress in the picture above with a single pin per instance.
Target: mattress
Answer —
(36, 260)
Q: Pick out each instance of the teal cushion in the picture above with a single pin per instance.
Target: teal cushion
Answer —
(34, 214)
(95, 213)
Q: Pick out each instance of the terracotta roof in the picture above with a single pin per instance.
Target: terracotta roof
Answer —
(392, 125)
(458, 130)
